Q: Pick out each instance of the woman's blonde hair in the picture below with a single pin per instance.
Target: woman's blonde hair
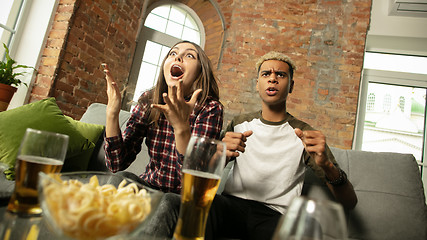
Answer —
(206, 81)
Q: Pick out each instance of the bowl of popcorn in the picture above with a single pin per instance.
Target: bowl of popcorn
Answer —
(95, 205)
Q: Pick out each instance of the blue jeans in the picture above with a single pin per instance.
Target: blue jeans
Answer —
(162, 223)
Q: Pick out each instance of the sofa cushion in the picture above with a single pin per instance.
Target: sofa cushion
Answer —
(391, 202)
(93, 132)
(96, 114)
(90, 131)
(43, 115)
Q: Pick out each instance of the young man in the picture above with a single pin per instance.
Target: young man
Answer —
(271, 150)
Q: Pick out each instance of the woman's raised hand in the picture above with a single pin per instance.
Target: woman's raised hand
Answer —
(176, 109)
(113, 93)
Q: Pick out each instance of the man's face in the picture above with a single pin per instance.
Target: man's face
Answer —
(273, 84)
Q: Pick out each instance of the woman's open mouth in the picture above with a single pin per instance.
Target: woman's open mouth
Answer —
(177, 71)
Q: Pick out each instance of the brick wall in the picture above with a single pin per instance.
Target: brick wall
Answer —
(84, 34)
(326, 38)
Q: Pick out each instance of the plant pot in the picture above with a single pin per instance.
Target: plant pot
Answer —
(6, 94)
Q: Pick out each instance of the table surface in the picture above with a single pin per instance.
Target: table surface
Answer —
(14, 227)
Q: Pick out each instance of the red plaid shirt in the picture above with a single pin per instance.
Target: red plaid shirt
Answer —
(164, 168)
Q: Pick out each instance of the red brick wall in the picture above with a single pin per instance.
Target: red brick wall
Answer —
(84, 34)
(326, 38)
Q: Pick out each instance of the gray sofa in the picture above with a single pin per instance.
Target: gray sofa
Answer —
(391, 197)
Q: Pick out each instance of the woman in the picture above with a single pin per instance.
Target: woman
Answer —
(184, 102)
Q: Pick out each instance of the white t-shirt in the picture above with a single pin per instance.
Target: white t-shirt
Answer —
(272, 168)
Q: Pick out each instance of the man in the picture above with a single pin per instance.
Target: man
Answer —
(271, 150)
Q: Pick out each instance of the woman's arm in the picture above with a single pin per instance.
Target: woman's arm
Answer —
(114, 103)
(121, 151)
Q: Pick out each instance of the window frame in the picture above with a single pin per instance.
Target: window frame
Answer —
(17, 17)
(385, 77)
(32, 31)
(393, 78)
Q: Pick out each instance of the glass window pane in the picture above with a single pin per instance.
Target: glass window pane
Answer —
(174, 29)
(191, 35)
(394, 119)
(163, 54)
(162, 11)
(146, 79)
(189, 22)
(397, 63)
(152, 52)
(156, 22)
(5, 10)
(5, 35)
(177, 15)
(150, 67)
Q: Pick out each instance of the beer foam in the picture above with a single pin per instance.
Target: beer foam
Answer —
(40, 160)
(201, 174)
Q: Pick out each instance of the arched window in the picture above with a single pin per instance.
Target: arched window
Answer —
(166, 23)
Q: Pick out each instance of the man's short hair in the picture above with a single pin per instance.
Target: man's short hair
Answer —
(277, 56)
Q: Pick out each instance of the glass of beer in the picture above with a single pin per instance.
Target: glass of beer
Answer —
(40, 151)
(202, 169)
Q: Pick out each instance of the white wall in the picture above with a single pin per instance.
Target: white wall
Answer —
(30, 39)
(398, 34)
(382, 24)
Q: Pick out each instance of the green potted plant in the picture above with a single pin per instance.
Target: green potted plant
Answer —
(8, 79)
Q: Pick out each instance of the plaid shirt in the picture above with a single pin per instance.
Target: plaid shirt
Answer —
(164, 168)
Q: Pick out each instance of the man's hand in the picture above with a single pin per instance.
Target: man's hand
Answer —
(235, 142)
(315, 144)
